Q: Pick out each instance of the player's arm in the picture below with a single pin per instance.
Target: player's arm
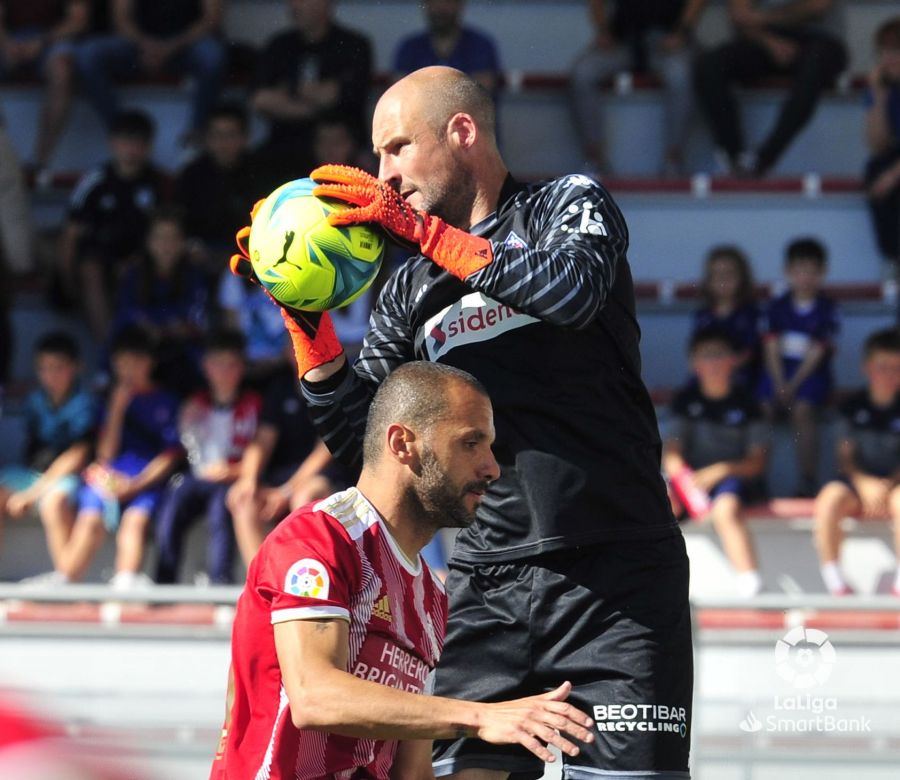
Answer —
(313, 655)
(564, 277)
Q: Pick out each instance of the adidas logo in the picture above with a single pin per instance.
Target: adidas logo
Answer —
(383, 609)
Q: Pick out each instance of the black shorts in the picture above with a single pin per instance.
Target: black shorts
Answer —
(614, 619)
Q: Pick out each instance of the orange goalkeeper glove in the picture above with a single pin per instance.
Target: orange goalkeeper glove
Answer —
(454, 250)
(312, 333)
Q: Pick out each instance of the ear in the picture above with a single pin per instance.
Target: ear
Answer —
(462, 131)
(402, 444)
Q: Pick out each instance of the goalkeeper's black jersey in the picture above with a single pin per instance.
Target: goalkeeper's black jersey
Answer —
(549, 328)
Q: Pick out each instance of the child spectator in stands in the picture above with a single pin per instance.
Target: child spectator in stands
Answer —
(802, 40)
(39, 38)
(717, 446)
(798, 343)
(216, 190)
(137, 449)
(729, 303)
(284, 467)
(216, 425)
(165, 293)
(447, 41)
(637, 35)
(108, 217)
(883, 138)
(314, 68)
(60, 417)
(868, 451)
(152, 37)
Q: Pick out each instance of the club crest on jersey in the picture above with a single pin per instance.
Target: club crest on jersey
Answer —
(307, 578)
(514, 242)
(472, 319)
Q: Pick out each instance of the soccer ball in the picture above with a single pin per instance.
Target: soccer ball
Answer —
(304, 262)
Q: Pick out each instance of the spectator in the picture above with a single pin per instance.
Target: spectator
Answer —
(108, 217)
(728, 295)
(883, 137)
(800, 39)
(137, 449)
(284, 467)
(150, 37)
(316, 67)
(165, 293)
(15, 215)
(718, 442)
(59, 421)
(38, 37)
(216, 425)
(447, 41)
(868, 451)
(637, 35)
(797, 347)
(216, 190)
(246, 307)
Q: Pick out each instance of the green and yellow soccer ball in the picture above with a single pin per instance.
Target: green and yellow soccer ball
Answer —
(304, 262)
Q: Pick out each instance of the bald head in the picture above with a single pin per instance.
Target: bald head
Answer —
(438, 93)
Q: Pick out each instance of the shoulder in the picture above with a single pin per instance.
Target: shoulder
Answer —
(346, 36)
(686, 396)
(88, 184)
(573, 195)
(472, 36)
(741, 398)
(854, 403)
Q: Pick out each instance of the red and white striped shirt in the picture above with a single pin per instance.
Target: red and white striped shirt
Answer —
(332, 559)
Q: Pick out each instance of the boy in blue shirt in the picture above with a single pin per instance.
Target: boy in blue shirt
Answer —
(137, 449)
(59, 418)
(797, 347)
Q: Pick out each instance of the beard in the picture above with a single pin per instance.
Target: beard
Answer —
(451, 200)
(436, 503)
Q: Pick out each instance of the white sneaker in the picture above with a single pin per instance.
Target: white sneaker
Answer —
(48, 579)
(130, 580)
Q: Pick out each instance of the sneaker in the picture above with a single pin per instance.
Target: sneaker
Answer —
(130, 580)
(48, 579)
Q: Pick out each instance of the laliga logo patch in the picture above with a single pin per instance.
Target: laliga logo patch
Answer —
(804, 657)
(307, 578)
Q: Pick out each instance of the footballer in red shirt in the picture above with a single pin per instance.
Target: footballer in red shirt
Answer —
(341, 621)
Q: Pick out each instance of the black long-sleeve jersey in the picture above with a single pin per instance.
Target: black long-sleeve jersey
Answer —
(549, 328)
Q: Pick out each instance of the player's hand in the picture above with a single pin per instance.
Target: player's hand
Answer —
(375, 201)
(873, 495)
(313, 338)
(536, 722)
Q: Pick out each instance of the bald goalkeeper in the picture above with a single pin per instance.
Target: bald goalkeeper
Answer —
(575, 568)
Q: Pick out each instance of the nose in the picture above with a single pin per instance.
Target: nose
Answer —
(490, 469)
(387, 172)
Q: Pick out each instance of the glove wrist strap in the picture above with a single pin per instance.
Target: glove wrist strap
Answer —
(454, 250)
(312, 350)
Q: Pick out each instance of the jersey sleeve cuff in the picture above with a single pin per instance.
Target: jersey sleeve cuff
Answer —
(309, 613)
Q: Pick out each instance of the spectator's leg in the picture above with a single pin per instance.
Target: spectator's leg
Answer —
(835, 502)
(5, 493)
(97, 61)
(130, 539)
(312, 489)
(79, 551)
(178, 507)
(248, 526)
(15, 215)
(59, 71)
(95, 298)
(885, 211)
(715, 73)
(592, 67)
(819, 62)
(220, 551)
(894, 509)
(676, 70)
(58, 517)
(205, 61)
(806, 430)
(732, 531)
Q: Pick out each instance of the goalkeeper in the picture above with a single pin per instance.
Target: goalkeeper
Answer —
(575, 567)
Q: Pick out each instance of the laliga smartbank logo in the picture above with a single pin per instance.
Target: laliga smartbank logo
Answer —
(804, 658)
